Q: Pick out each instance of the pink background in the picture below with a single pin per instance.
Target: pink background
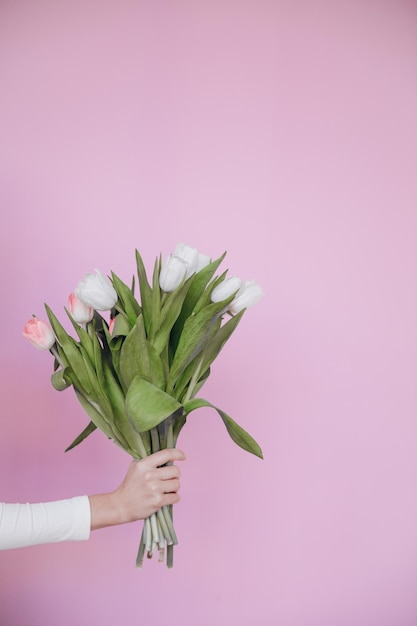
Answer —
(285, 133)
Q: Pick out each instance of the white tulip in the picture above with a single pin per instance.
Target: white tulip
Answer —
(173, 272)
(247, 296)
(192, 257)
(189, 255)
(225, 289)
(202, 261)
(96, 291)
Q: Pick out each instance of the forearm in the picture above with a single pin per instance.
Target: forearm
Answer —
(31, 524)
(147, 486)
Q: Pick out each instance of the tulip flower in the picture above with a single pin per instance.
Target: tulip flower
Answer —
(226, 288)
(39, 334)
(193, 258)
(189, 255)
(247, 296)
(202, 261)
(80, 312)
(173, 272)
(96, 291)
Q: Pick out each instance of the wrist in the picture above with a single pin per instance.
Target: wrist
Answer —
(106, 511)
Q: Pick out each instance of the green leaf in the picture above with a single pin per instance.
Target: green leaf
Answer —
(205, 297)
(114, 394)
(87, 431)
(214, 347)
(94, 375)
(66, 341)
(139, 358)
(72, 352)
(83, 335)
(115, 343)
(98, 353)
(121, 326)
(125, 434)
(59, 380)
(127, 300)
(178, 424)
(154, 313)
(206, 358)
(147, 405)
(198, 330)
(134, 357)
(157, 372)
(145, 291)
(236, 432)
(171, 309)
(201, 382)
(94, 413)
(68, 375)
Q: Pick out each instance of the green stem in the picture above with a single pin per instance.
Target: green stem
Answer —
(164, 527)
(55, 353)
(167, 513)
(170, 435)
(193, 382)
(155, 530)
(155, 440)
(141, 551)
(170, 548)
(148, 536)
(165, 361)
(140, 447)
(170, 557)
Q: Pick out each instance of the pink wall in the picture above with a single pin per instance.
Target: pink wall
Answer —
(284, 132)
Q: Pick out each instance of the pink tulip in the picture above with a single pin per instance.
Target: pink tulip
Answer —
(111, 325)
(39, 334)
(79, 311)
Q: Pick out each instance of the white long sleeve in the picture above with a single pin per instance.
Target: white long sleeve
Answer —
(30, 524)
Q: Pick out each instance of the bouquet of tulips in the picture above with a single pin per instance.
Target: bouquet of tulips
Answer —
(137, 371)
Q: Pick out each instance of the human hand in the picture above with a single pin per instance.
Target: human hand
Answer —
(148, 485)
